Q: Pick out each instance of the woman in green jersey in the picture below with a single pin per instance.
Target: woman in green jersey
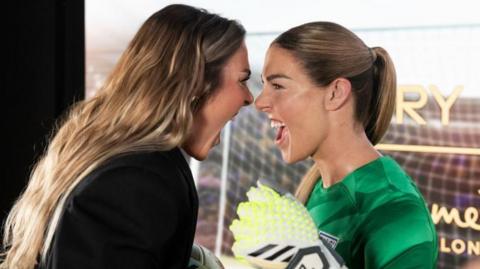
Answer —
(331, 98)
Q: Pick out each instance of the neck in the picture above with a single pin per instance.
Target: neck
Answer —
(342, 153)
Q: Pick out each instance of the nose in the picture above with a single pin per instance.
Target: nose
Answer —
(261, 102)
(248, 98)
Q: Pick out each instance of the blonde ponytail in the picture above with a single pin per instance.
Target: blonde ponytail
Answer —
(307, 184)
(383, 100)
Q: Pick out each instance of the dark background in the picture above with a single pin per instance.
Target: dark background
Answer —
(43, 73)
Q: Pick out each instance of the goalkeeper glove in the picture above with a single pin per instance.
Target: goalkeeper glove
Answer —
(271, 229)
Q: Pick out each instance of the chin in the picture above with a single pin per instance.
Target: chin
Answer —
(199, 156)
(199, 153)
(288, 159)
(291, 158)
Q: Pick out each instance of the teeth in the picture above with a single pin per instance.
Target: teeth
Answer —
(276, 124)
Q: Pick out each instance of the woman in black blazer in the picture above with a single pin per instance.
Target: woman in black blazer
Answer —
(113, 189)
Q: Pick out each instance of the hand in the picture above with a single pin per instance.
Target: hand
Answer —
(202, 258)
(272, 228)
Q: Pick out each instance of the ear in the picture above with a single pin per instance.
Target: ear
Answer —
(338, 93)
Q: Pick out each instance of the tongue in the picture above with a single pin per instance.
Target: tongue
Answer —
(280, 133)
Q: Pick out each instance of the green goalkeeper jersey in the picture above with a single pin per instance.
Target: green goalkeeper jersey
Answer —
(376, 218)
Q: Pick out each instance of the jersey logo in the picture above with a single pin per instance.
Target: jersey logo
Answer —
(328, 238)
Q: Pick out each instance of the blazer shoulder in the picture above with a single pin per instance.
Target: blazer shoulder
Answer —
(158, 162)
(152, 171)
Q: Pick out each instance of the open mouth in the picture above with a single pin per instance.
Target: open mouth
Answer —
(281, 131)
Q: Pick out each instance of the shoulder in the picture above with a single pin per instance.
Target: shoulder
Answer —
(398, 229)
(138, 203)
(156, 162)
(389, 199)
(150, 170)
(396, 217)
(138, 183)
(381, 183)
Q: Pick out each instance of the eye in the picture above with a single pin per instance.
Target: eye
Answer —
(244, 81)
(277, 86)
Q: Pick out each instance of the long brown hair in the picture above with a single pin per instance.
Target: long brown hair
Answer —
(329, 51)
(169, 69)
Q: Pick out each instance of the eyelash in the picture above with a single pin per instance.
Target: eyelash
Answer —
(244, 81)
(277, 86)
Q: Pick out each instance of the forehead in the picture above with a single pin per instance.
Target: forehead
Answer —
(283, 62)
(239, 59)
(279, 60)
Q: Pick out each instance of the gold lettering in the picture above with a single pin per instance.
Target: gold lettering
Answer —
(471, 217)
(445, 105)
(458, 246)
(443, 247)
(410, 106)
(474, 248)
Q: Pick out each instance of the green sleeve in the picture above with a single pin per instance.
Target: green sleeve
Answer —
(414, 258)
(400, 234)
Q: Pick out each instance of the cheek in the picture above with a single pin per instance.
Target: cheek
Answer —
(231, 101)
(306, 123)
(295, 112)
(199, 131)
(223, 107)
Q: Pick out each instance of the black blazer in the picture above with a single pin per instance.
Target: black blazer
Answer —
(136, 211)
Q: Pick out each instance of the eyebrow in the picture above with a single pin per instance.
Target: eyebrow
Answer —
(275, 76)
